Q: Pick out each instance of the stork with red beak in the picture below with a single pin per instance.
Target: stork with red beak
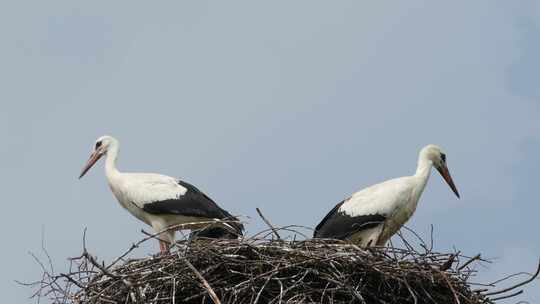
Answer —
(162, 201)
(372, 215)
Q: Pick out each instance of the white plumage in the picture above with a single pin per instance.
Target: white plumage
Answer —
(161, 201)
(372, 215)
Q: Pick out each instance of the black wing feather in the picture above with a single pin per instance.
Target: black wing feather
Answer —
(214, 232)
(329, 215)
(338, 225)
(193, 203)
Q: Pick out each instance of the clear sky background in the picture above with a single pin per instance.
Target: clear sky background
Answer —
(289, 106)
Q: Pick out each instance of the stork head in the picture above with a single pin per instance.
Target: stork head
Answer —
(101, 147)
(435, 154)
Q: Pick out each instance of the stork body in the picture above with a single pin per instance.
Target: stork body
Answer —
(372, 215)
(161, 201)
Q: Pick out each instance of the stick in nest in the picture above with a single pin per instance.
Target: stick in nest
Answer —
(274, 230)
(273, 271)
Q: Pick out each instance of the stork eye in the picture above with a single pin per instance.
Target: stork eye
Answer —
(443, 157)
(98, 144)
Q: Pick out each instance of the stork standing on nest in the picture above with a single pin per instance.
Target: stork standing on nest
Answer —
(162, 201)
(372, 215)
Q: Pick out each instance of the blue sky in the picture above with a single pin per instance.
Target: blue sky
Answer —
(287, 106)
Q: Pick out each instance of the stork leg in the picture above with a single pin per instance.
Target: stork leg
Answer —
(165, 238)
(163, 247)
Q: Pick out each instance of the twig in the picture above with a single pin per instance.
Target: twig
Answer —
(262, 268)
(509, 277)
(474, 258)
(203, 281)
(103, 269)
(155, 235)
(268, 223)
(448, 264)
(508, 296)
(411, 291)
(72, 281)
(516, 285)
(445, 277)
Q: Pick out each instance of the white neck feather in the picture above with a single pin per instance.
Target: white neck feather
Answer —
(423, 171)
(110, 162)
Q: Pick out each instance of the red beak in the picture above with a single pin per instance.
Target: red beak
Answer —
(443, 170)
(96, 155)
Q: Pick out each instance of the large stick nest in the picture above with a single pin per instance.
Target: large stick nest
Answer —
(263, 270)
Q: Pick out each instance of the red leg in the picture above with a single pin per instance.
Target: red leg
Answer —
(163, 247)
(166, 246)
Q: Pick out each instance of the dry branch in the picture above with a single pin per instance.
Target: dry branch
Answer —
(265, 270)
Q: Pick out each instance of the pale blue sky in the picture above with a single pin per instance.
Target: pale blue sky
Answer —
(285, 105)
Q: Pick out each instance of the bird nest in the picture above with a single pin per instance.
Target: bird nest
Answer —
(264, 269)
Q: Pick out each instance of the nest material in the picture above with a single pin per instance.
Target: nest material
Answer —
(263, 270)
(266, 271)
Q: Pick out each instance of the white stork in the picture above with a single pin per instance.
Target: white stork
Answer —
(372, 215)
(161, 201)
